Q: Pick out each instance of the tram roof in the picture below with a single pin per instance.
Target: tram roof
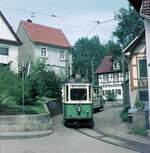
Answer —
(77, 81)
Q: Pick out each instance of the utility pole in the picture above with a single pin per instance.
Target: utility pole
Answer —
(124, 77)
(23, 91)
(92, 70)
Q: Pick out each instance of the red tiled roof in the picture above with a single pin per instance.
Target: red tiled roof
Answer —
(106, 66)
(47, 35)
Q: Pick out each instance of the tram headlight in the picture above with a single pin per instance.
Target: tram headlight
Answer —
(78, 109)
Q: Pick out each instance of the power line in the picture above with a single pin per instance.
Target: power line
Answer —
(33, 13)
(99, 23)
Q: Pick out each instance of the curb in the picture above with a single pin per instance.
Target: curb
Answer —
(24, 135)
(137, 139)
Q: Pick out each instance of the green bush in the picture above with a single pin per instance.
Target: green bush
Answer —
(111, 96)
(42, 82)
(139, 105)
(139, 131)
(9, 109)
(124, 115)
(10, 86)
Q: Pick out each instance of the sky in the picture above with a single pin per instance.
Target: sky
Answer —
(76, 18)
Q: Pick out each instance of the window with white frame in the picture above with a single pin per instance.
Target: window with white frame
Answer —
(142, 74)
(118, 91)
(43, 51)
(142, 68)
(4, 51)
(62, 55)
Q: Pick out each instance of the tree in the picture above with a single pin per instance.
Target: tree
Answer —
(10, 86)
(129, 26)
(41, 82)
(113, 49)
(84, 51)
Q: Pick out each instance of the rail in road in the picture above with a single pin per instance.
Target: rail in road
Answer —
(115, 140)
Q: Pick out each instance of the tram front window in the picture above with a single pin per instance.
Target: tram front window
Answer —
(78, 94)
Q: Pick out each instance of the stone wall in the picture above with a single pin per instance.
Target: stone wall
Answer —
(20, 123)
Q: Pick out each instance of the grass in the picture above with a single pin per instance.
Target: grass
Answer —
(139, 131)
(6, 109)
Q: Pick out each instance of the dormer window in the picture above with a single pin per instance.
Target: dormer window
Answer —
(43, 51)
(4, 51)
(116, 65)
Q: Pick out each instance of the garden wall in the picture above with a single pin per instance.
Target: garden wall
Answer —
(20, 123)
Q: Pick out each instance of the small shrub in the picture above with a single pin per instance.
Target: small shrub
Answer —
(124, 115)
(111, 96)
(139, 131)
(139, 105)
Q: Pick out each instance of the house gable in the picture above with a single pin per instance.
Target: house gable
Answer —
(7, 35)
(41, 34)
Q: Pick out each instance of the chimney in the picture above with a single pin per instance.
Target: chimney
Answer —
(29, 20)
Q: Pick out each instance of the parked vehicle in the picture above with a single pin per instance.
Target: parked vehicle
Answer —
(77, 103)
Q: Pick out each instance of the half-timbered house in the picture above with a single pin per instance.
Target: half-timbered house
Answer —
(110, 76)
(138, 82)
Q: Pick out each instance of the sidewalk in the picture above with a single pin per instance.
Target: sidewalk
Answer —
(24, 135)
(109, 123)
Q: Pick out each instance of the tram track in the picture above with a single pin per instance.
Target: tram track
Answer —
(114, 140)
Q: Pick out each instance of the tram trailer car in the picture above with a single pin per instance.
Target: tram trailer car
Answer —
(77, 104)
(98, 101)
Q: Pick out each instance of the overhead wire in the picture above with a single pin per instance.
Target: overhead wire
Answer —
(54, 16)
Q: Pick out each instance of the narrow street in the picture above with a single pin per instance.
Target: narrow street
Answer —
(63, 140)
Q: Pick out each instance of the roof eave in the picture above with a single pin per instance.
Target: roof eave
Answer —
(52, 45)
(10, 42)
(135, 41)
(109, 72)
(11, 29)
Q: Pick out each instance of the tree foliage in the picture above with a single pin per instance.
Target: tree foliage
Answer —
(84, 51)
(10, 86)
(129, 26)
(113, 49)
(41, 82)
(87, 50)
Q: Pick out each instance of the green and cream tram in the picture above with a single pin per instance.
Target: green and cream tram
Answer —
(77, 103)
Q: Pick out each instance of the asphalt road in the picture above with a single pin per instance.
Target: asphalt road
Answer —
(63, 140)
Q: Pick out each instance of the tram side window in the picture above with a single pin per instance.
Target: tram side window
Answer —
(66, 93)
(78, 94)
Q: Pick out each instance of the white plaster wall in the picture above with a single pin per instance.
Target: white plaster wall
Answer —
(110, 80)
(133, 97)
(52, 58)
(12, 57)
(5, 32)
(115, 88)
(112, 86)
